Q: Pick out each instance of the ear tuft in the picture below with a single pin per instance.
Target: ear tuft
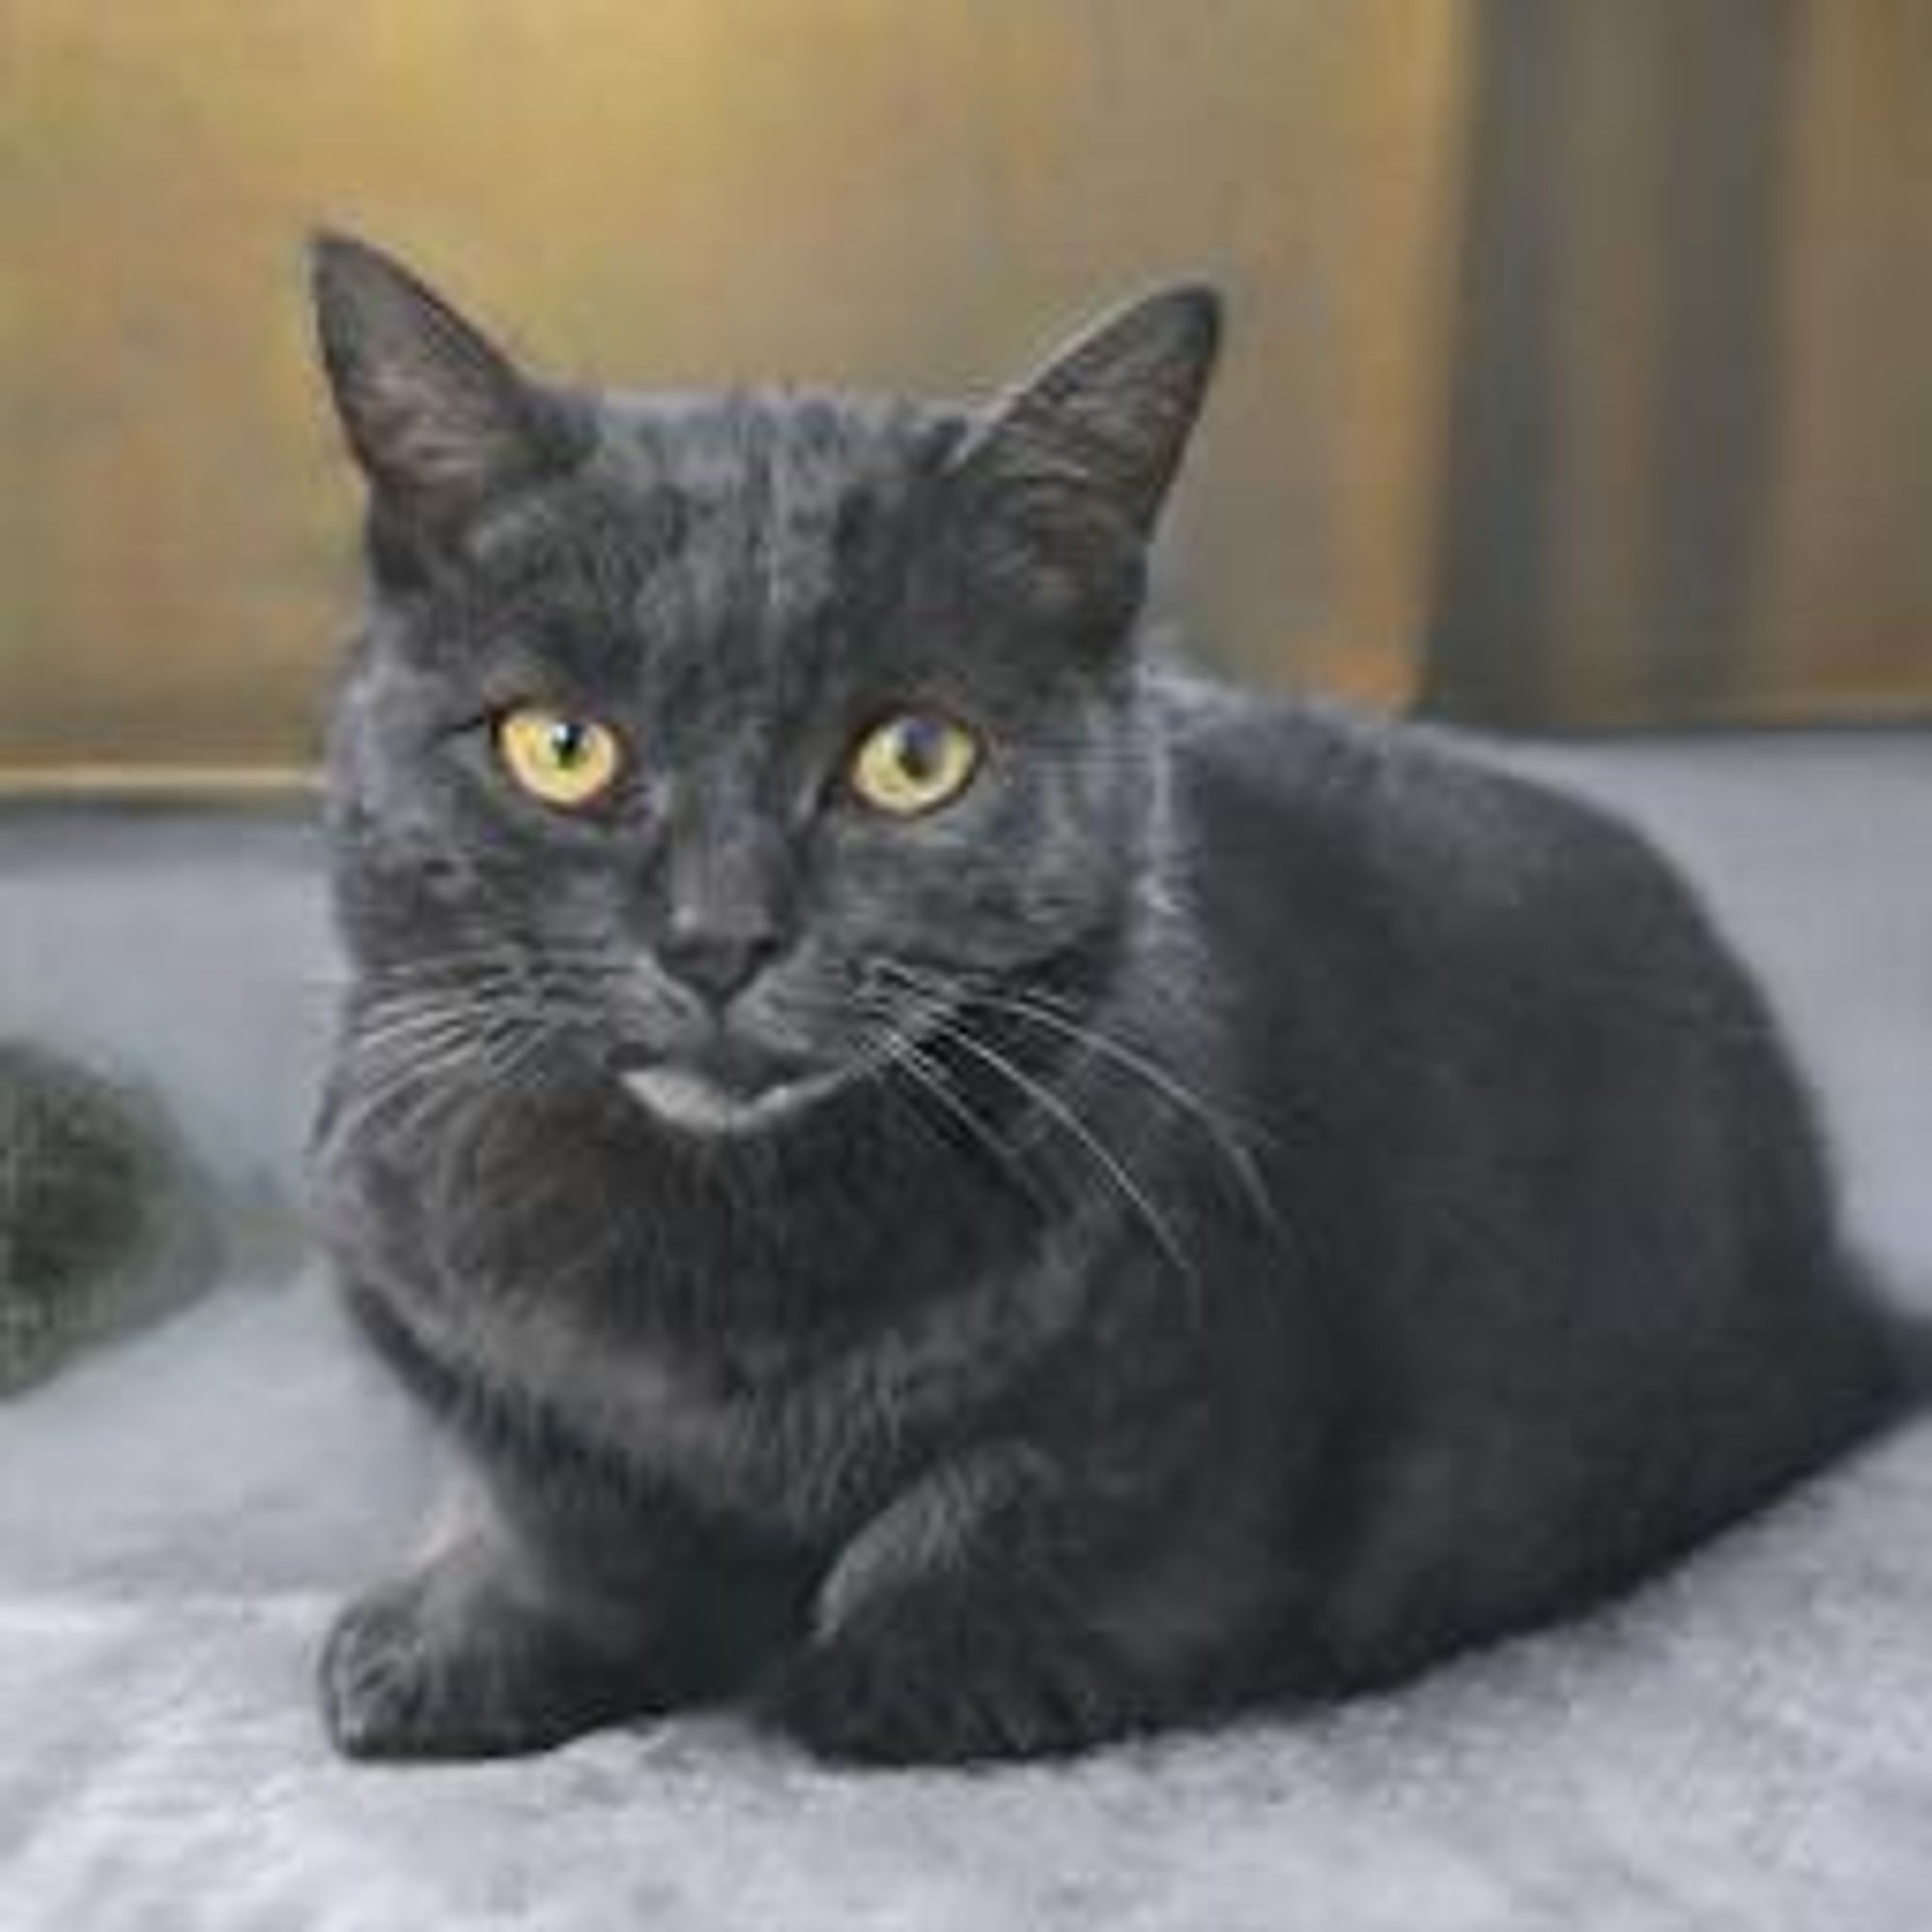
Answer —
(1110, 416)
(435, 414)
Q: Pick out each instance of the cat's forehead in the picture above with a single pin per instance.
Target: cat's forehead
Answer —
(805, 450)
(733, 519)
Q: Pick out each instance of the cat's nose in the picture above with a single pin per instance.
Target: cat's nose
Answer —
(719, 961)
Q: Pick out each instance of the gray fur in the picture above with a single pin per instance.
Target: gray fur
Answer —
(1241, 1202)
(108, 1219)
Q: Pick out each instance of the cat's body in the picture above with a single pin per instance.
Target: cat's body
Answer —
(1234, 1201)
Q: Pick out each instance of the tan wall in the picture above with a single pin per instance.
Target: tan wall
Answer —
(1429, 446)
(1689, 470)
(1845, 597)
(917, 192)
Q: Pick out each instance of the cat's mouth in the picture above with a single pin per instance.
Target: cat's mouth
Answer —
(723, 1095)
(691, 1101)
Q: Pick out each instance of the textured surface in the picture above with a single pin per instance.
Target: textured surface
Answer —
(1747, 1744)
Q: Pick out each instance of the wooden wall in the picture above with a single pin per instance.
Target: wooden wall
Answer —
(681, 191)
(926, 192)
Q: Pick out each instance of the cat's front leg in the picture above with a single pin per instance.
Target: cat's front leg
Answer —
(476, 1651)
(961, 1623)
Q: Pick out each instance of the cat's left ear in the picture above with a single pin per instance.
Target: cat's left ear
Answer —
(437, 416)
(1108, 419)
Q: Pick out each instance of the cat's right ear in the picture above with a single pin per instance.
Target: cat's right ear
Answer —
(435, 415)
(1106, 421)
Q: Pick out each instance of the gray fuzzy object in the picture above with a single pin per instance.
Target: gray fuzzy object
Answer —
(106, 1219)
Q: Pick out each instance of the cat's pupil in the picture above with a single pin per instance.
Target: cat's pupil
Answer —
(567, 739)
(921, 749)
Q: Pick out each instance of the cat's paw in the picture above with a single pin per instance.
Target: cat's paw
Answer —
(405, 1673)
(379, 1677)
(891, 1692)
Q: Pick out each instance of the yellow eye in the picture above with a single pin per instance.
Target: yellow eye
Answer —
(914, 762)
(568, 762)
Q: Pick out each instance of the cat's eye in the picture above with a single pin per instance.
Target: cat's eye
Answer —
(564, 761)
(913, 762)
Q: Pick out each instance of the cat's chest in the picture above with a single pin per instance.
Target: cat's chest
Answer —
(518, 1298)
(799, 1440)
(768, 1437)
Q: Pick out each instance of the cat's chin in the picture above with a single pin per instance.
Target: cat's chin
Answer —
(692, 1103)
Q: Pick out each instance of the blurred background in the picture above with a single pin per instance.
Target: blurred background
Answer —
(1580, 374)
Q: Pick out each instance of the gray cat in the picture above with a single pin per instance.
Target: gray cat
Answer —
(973, 1192)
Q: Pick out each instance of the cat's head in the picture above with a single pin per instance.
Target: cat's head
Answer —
(707, 740)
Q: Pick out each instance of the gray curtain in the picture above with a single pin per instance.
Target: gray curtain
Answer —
(1689, 467)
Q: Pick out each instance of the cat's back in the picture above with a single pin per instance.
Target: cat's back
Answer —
(1452, 984)
(1551, 1168)
(1385, 850)
(1391, 803)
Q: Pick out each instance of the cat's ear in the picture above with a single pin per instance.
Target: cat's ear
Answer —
(435, 415)
(1108, 419)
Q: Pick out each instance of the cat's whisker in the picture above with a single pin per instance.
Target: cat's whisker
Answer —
(380, 1031)
(399, 1036)
(429, 1047)
(1069, 1118)
(494, 1057)
(407, 1062)
(929, 1076)
(495, 964)
(467, 1003)
(1054, 1017)
(440, 971)
(515, 1055)
(427, 1103)
(418, 1064)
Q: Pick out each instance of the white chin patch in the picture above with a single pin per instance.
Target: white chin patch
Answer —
(695, 1105)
